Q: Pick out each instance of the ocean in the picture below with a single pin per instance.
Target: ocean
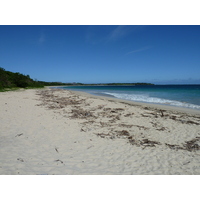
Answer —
(187, 96)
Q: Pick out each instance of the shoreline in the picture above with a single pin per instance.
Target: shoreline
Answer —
(60, 132)
(153, 105)
(143, 104)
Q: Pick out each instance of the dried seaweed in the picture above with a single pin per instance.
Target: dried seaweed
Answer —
(144, 115)
(192, 122)
(125, 125)
(192, 145)
(117, 117)
(122, 133)
(59, 161)
(54, 102)
(103, 135)
(56, 149)
(81, 114)
(76, 105)
(162, 113)
(134, 142)
(173, 117)
(104, 124)
(143, 142)
(100, 106)
(174, 146)
(18, 135)
(118, 109)
(149, 143)
(141, 127)
(20, 159)
(161, 129)
(106, 109)
(128, 115)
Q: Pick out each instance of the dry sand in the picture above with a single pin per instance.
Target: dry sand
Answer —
(55, 131)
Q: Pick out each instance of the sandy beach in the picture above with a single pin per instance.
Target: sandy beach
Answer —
(51, 131)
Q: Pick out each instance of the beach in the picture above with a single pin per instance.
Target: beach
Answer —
(59, 132)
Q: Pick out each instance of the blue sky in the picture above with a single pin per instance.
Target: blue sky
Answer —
(103, 54)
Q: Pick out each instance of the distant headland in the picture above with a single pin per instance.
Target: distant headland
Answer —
(11, 80)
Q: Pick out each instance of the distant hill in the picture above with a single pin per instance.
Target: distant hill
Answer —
(126, 84)
(11, 80)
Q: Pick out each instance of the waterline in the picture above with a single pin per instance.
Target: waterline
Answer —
(187, 96)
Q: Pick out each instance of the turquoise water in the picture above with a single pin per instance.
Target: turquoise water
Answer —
(175, 95)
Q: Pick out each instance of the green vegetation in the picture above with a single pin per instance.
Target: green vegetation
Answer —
(10, 80)
(54, 83)
(95, 84)
(106, 84)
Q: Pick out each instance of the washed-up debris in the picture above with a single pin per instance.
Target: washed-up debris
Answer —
(20, 159)
(117, 117)
(141, 127)
(80, 113)
(56, 150)
(101, 118)
(192, 144)
(104, 124)
(133, 141)
(83, 130)
(173, 117)
(161, 129)
(90, 146)
(100, 106)
(143, 142)
(162, 113)
(192, 122)
(149, 143)
(128, 115)
(19, 135)
(54, 102)
(103, 135)
(106, 109)
(144, 115)
(59, 161)
(123, 133)
(125, 125)
(174, 146)
(116, 110)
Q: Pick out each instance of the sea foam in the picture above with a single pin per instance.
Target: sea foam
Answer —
(148, 99)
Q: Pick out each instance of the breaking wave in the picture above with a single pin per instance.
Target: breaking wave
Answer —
(148, 99)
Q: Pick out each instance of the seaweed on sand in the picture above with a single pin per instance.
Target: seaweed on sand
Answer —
(81, 114)
(190, 145)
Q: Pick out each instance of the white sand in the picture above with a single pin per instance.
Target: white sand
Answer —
(82, 134)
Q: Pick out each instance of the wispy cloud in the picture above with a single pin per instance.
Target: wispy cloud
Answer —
(122, 31)
(119, 32)
(106, 34)
(139, 50)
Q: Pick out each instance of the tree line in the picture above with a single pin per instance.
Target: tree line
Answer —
(11, 80)
(17, 80)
